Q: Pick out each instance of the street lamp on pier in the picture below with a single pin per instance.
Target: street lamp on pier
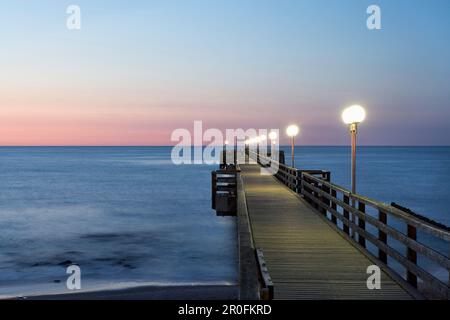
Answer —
(292, 131)
(352, 116)
(273, 139)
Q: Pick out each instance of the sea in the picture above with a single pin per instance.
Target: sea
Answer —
(129, 216)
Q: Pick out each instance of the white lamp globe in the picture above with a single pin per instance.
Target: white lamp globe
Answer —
(273, 135)
(292, 130)
(354, 114)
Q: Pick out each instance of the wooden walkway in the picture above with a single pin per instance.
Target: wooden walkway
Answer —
(306, 258)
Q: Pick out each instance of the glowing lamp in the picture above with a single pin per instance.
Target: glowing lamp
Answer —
(292, 130)
(354, 114)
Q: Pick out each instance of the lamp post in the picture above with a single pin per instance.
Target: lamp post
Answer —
(224, 153)
(292, 131)
(352, 116)
(272, 137)
(247, 150)
(258, 140)
(235, 151)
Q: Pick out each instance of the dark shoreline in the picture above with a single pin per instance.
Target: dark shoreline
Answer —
(183, 292)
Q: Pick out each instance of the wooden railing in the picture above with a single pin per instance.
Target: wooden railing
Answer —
(346, 207)
(368, 222)
(289, 176)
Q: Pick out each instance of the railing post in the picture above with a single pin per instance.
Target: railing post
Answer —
(382, 236)
(333, 206)
(224, 155)
(317, 196)
(361, 223)
(353, 218)
(286, 180)
(411, 256)
(257, 153)
(305, 187)
(291, 180)
(346, 215)
(299, 182)
(325, 200)
(235, 151)
(326, 189)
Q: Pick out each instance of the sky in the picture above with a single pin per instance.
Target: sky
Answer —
(137, 70)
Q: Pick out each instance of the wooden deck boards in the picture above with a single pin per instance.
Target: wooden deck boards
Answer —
(306, 258)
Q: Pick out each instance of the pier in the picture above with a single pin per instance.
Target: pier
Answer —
(302, 237)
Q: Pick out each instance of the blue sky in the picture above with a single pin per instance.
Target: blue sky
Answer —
(139, 69)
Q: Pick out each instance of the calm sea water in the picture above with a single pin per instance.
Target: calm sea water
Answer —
(128, 215)
(122, 214)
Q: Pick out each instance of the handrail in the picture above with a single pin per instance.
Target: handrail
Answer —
(290, 176)
(416, 221)
(324, 195)
(316, 188)
(431, 253)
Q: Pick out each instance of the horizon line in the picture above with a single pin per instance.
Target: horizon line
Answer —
(149, 146)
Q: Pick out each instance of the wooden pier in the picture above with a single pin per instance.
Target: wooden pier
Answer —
(302, 237)
(305, 257)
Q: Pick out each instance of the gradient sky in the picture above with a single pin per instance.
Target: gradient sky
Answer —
(139, 69)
